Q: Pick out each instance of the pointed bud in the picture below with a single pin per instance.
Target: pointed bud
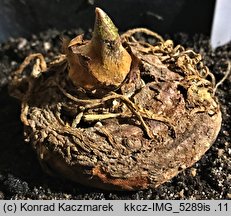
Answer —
(104, 28)
(102, 62)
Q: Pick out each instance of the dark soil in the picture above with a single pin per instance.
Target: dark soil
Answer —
(21, 176)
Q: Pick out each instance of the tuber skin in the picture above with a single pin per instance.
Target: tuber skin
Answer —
(120, 126)
(101, 62)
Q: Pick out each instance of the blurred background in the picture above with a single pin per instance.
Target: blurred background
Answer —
(23, 17)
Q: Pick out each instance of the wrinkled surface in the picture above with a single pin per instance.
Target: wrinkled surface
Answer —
(161, 120)
(164, 191)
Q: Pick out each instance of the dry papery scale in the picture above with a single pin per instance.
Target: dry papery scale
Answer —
(117, 113)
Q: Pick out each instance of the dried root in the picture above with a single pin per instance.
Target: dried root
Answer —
(161, 114)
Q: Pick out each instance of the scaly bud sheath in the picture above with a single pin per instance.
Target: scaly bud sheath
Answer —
(101, 62)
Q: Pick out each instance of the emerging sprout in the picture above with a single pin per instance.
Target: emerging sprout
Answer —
(101, 62)
(162, 119)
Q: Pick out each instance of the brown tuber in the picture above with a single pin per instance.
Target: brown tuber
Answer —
(101, 62)
(155, 113)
